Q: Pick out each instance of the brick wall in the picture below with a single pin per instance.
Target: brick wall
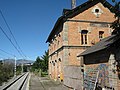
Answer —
(66, 43)
(104, 62)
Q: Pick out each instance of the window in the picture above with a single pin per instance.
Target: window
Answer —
(84, 37)
(97, 10)
(59, 35)
(55, 60)
(101, 33)
(58, 43)
(53, 63)
(59, 60)
(54, 46)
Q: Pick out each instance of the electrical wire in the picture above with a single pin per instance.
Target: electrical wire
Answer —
(20, 50)
(7, 52)
(10, 41)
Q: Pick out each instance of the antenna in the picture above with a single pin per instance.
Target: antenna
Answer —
(73, 4)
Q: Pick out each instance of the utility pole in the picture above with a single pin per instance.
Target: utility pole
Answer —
(2, 60)
(15, 67)
(73, 4)
(22, 68)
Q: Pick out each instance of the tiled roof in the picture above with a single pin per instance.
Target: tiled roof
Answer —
(67, 13)
(103, 44)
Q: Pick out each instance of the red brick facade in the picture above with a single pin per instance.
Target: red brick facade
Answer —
(75, 35)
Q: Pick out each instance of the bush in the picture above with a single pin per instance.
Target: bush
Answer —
(44, 74)
(6, 72)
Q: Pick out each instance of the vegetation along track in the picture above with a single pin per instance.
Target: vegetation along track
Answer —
(18, 83)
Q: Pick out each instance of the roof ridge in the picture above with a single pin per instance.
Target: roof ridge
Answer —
(104, 2)
(69, 13)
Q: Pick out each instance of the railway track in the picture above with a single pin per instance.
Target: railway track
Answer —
(17, 84)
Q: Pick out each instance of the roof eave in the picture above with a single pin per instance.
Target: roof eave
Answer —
(91, 52)
(60, 19)
(84, 7)
(76, 11)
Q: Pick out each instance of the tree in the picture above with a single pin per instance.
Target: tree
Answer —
(41, 63)
(45, 61)
(6, 71)
(36, 64)
(116, 24)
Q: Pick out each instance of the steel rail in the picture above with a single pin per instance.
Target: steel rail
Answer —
(15, 81)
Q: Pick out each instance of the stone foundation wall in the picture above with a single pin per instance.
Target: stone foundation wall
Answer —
(73, 77)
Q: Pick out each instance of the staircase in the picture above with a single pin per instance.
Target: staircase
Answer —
(90, 80)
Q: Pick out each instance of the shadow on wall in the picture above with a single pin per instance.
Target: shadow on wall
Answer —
(118, 69)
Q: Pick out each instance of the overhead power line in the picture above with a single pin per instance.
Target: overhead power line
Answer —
(10, 41)
(6, 52)
(1, 54)
(20, 50)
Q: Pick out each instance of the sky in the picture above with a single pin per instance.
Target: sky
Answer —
(30, 21)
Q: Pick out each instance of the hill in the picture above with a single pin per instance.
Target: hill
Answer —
(18, 62)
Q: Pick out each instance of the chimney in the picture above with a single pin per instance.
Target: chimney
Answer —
(73, 4)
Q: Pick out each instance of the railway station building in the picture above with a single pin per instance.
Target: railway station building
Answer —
(74, 32)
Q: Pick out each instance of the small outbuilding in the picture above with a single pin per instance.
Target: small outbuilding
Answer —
(101, 64)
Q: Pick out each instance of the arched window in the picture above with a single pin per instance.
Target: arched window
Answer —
(59, 60)
(84, 37)
(53, 63)
(101, 34)
(55, 60)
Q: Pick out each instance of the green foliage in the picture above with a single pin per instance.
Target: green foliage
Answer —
(116, 24)
(43, 74)
(45, 61)
(25, 68)
(41, 63)
(18, 70)
(6, 71)
(113, 0)
(37, 64)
